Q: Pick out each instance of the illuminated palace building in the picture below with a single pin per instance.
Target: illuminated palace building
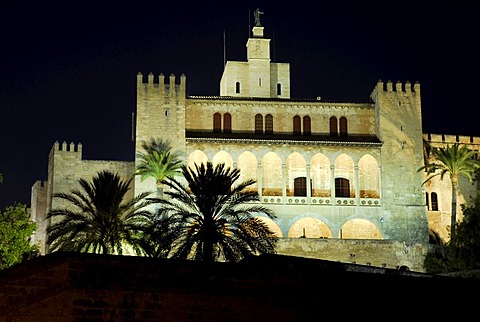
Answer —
(341, 177)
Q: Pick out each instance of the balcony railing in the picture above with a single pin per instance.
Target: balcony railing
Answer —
(321, 201)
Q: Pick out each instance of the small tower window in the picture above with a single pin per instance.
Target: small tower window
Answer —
(217, 122)
(434, 201)
(269, 123)
(307, 130)
(259, 124)
(296, 125)
(279, 89)
(333, 126)
(227, 123)
(343, 126)
(237, 87)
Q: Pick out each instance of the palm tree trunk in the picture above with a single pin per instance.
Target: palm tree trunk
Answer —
(454, 210)
(208, 243)
(159, 190)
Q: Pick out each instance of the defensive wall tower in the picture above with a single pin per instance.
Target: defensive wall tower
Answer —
(399, 127)
(65, 168)
(38, 213)
(160, 114)
(62, 161)
(439, 192)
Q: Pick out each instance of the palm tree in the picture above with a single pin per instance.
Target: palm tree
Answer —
(158, 162)
(454, 160)
(217, 220)
(99, 218)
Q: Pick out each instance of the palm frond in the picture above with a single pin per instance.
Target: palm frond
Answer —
(99, 219)
(216, 216)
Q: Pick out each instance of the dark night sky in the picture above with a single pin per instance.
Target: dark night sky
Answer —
(68, 69)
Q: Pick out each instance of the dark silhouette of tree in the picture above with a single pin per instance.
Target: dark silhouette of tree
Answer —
(453, 160)
(464, 253)
(158, 239)
(99, 219)
(218, 220)
(158, 162)
(468, 235)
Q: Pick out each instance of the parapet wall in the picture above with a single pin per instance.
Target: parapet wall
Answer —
(399, 86)
(451, 139)
(379, 253)
(163, 91)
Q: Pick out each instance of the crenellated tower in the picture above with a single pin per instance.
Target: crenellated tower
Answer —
(65, 167)
(160, 113)
(399, 127)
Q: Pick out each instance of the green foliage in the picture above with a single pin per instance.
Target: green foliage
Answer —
(467, 239)
(158, 161)
(99, 219)
(434, 263)
(157, 165)
(452, 160)
(463, 252)
(15, 230)
(216, 219)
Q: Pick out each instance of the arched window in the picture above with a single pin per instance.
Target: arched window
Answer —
(269, 123)
(307, 125)
(279, 89)
(333, 126)
(434, 201)
(426, 198)
(227, 123)
(342, 188)
(217, 122)
(259, 124)
(237, 87)
(297, 130)
(343, 126)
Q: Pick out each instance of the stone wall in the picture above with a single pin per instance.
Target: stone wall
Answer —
(378, 253)
(90, 287)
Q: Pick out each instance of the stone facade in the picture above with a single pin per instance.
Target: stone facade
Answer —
(331, 171)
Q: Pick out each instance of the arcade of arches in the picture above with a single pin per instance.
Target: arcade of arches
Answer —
(320, 178)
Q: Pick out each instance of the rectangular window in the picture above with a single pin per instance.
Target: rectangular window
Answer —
(342, 188)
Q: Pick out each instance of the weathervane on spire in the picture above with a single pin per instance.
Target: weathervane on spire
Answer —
(257, 14)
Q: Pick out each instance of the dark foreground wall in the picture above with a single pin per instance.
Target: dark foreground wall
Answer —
(89, 287)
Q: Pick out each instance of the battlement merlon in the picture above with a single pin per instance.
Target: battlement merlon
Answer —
(406, 88)
(65, 148)
(162, 89)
